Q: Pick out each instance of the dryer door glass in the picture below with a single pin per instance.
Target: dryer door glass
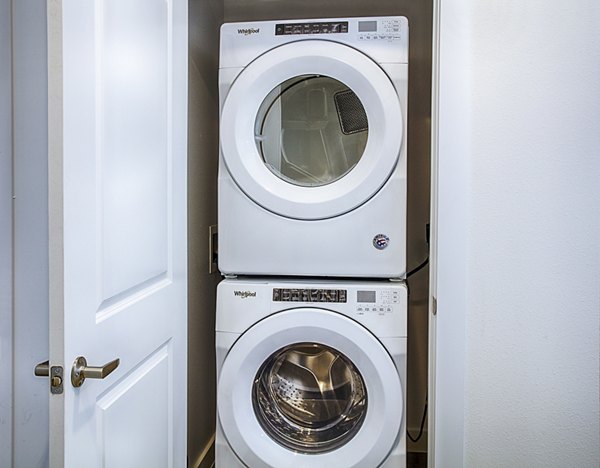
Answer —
(310, 398)
(311, 130)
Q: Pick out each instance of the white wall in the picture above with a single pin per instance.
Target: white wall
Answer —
(528, 155)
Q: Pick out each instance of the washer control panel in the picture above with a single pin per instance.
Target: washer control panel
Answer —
(382, 30)
(309, 295)
(366, 301)
(381, 301)
(378, 305)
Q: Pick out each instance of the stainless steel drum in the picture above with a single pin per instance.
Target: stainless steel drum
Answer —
(309, 397)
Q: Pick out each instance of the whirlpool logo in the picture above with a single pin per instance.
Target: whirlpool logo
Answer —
(248, 31)
(244, 294)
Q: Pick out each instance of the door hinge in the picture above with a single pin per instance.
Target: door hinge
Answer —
(433, 305)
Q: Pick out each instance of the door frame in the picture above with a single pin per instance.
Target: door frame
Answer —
(449, 214)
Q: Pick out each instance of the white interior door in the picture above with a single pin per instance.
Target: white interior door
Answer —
(117, 170)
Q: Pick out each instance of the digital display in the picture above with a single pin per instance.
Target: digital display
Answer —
(311, 28)
(365, 296)
(309, 295)
(367, 26)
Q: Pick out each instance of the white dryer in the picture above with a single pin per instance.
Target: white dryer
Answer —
(312, 174)
(311, 374)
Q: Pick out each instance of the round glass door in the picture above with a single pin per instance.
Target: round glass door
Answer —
(309, 397)
(311, 130)
(309, 387)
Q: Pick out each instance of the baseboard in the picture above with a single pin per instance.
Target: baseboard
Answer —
(206, 459)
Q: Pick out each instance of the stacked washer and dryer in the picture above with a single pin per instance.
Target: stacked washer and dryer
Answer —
(311, 318)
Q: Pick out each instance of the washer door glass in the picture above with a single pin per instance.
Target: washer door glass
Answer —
(311, 130)
(309, 397)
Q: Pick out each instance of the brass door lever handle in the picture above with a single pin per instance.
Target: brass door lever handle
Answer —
(81, 371)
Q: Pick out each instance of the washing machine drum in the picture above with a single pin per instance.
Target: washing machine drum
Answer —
(311, 129)
(311, 388)
(309, 398)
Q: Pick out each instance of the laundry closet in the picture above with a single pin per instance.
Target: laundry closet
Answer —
(205, 20)
(249, 243)
(514, 228)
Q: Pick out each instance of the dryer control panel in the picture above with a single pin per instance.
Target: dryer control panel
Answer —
(382, 38)
(367, 29)
(329, 27)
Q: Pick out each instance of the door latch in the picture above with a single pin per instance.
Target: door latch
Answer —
(55, 373)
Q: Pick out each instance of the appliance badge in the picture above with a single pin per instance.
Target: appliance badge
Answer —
(244, 294)
(248, 31)
(381, 241)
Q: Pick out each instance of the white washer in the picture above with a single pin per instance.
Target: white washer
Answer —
(312, 174)
(311, 374)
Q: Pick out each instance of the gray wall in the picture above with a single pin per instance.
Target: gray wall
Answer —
(205, 18)
(30, 232)
(419, 14)
(5, 235)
